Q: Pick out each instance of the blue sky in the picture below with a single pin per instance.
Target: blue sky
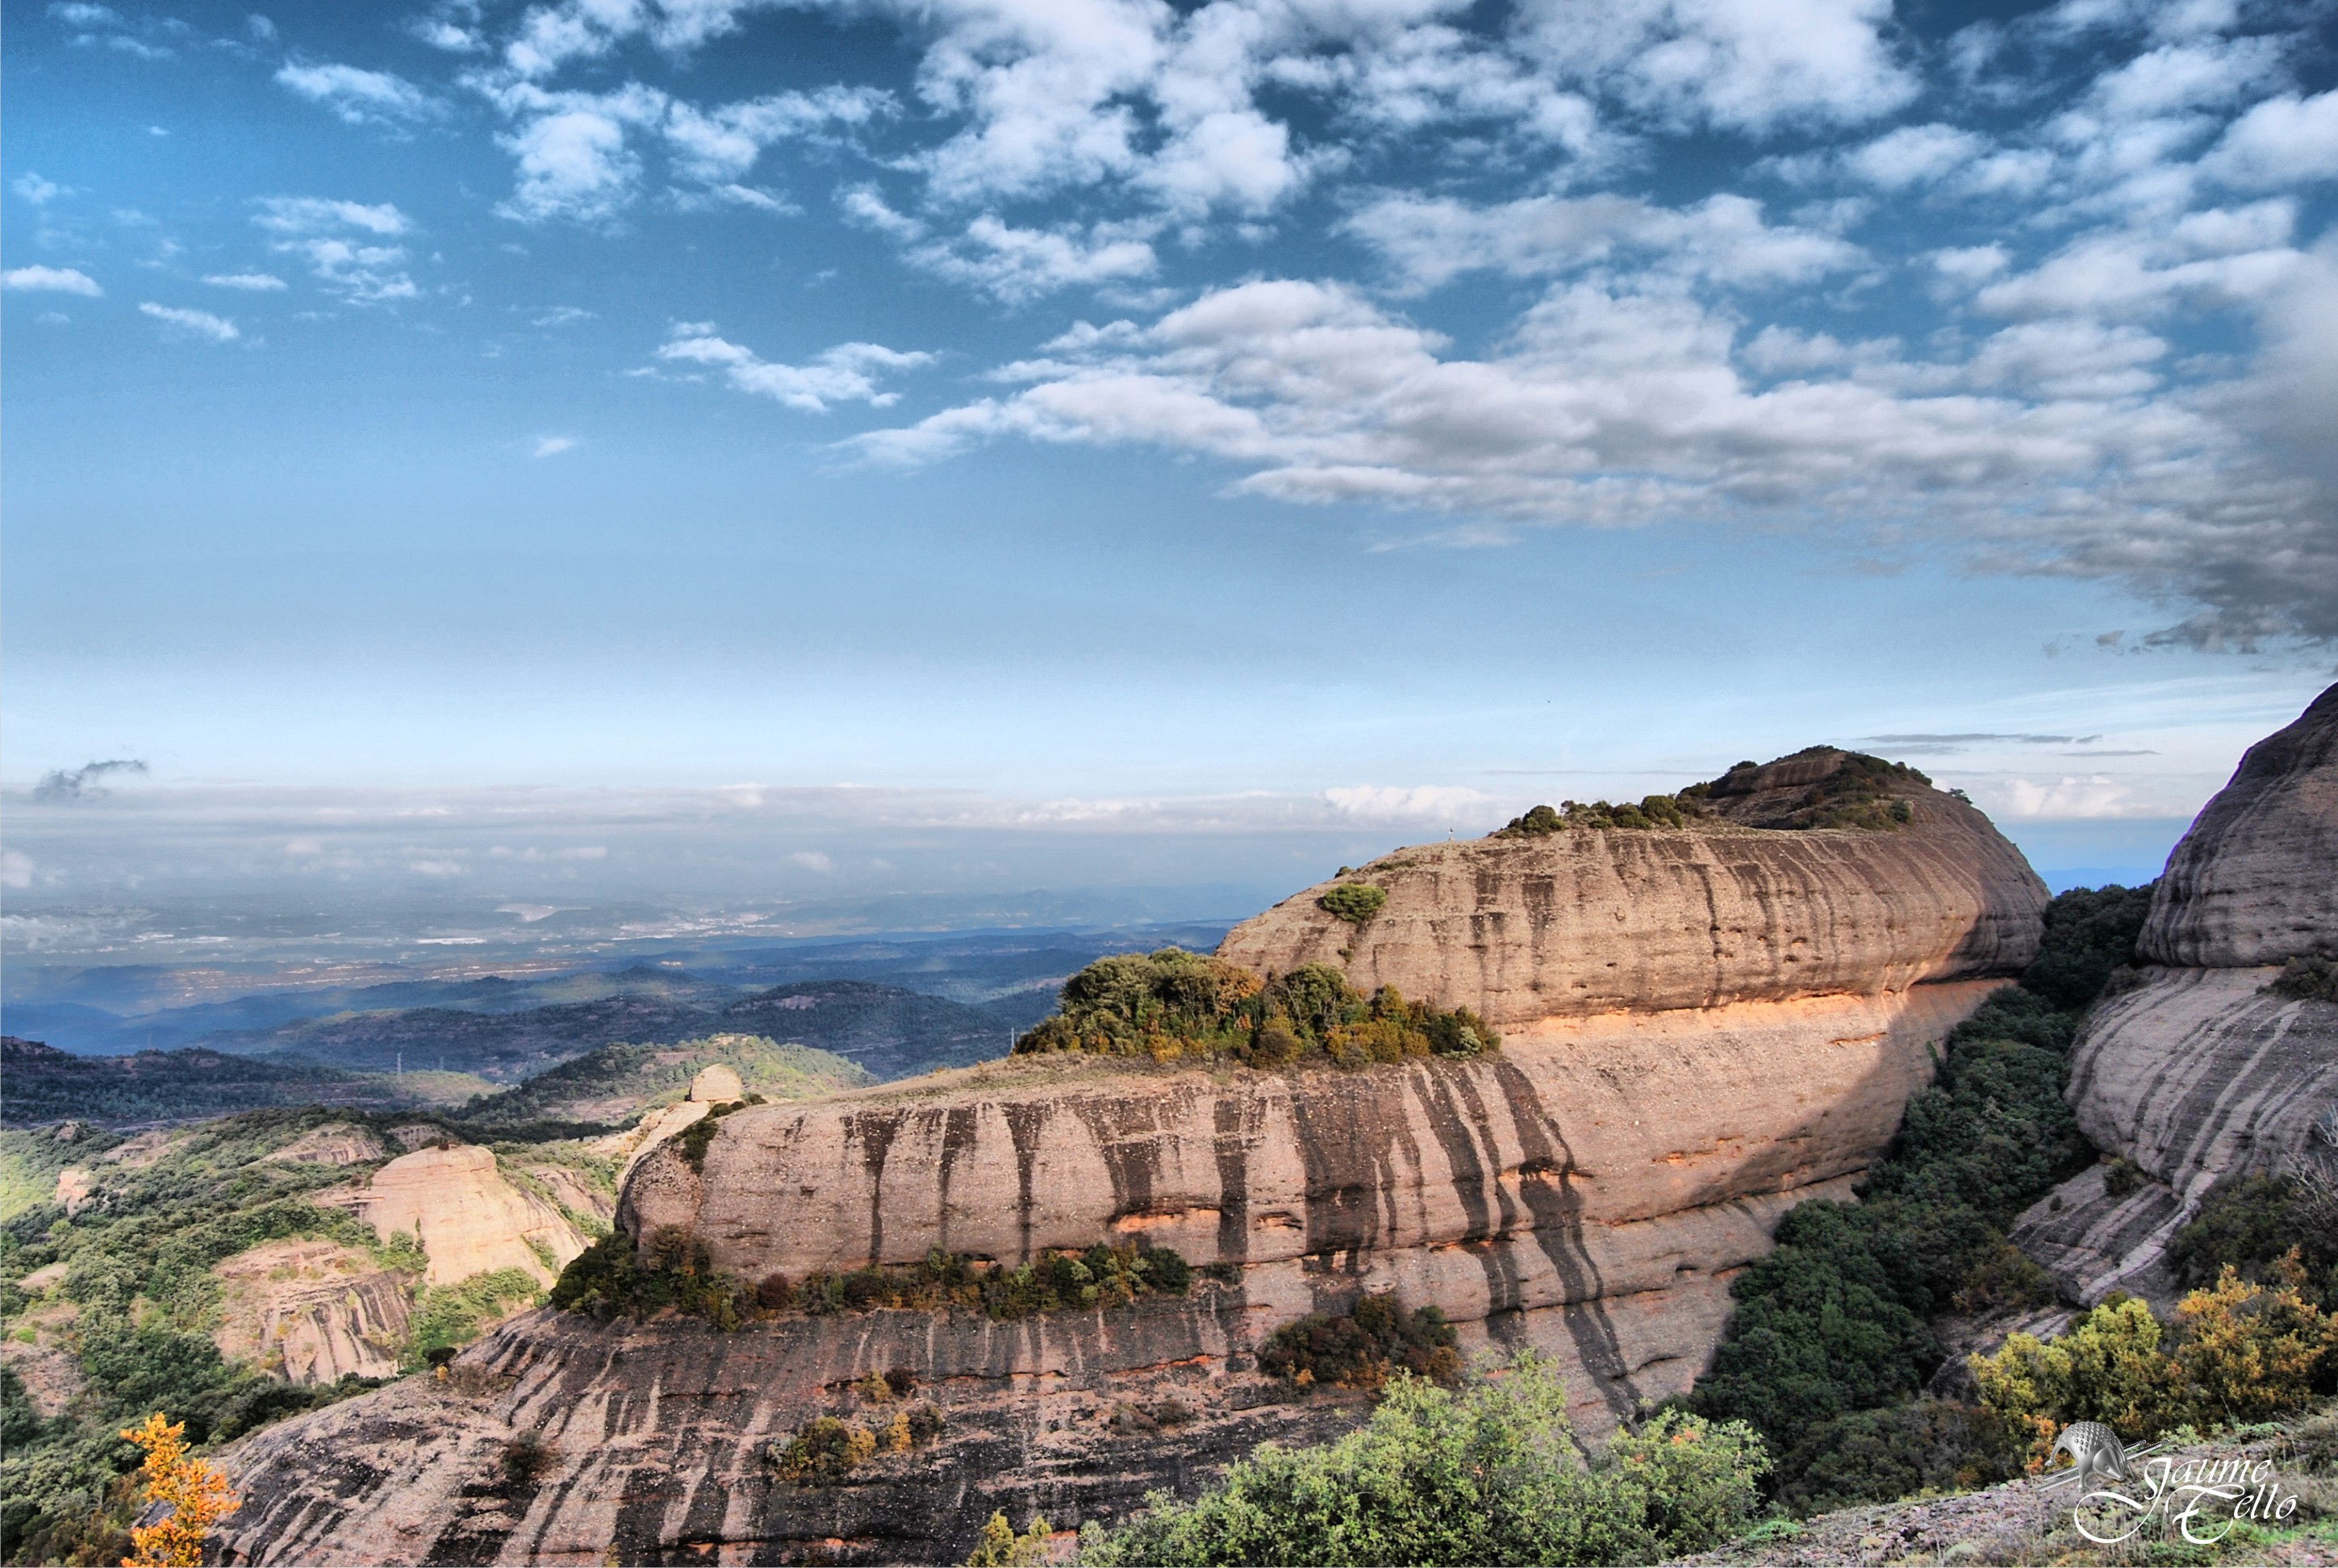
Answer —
(1378, 413)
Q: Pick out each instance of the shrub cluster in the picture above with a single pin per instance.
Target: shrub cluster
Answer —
(1354, 902)
(1487, 1473)
(2238, 1351)
(1174, 1005)
(2253, 1224)
(675, 1271)
(1362, 1348)
(1685, 810)
(694, 1140)
(1834, 1325)
(447, 1316)
(827, 1448)
(2307, 980)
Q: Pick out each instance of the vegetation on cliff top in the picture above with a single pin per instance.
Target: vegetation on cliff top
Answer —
(1174, 1005)
(1487, 1473)
(1856, 791)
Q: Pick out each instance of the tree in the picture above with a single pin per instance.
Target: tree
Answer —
(1000, 1548)
(195, 1489)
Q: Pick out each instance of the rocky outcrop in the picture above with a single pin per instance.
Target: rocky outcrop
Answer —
(1574, 924)
(1702, 1028)
(2255, 880)
(2202, 1071)
(334, 1143)
(312, 1311)
(468, 1219)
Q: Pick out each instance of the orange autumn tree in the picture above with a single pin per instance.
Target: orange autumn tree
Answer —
(194, 1489)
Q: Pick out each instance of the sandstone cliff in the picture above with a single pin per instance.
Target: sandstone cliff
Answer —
(312, 1311)
(468, 1219)
(2202, 1071)
(1702, 1027)
(1578, 922)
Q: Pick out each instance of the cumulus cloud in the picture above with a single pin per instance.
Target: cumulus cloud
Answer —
(1723, 238)
(360, 97)
(51, 279)
(347, 244)
(197, 323)
(1413, 803)
(553, 445)
(845, 374)
(35, 190)
(2040, 449)
(2284, 141)
(250, 282)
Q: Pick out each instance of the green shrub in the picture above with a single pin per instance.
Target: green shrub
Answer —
(1364, 1348)
(2248, 1224)
(1354, 902)
(1174, 1005)
(674, 1270)
(824, 1452)
(448, 1317)
(2307, 980)
(2091, 934)
(1877, 1456)
(1487, 1474)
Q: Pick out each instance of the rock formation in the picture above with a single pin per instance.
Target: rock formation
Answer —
(312, 1311)
(468, 1219)
(2201, 1071)
(1702, 1027)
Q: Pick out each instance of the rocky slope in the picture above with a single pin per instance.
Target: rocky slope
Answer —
(2202, 1071)
(1702, 1027)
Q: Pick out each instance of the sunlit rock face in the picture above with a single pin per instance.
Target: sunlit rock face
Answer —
(1700, 1028)
(2202, 1070)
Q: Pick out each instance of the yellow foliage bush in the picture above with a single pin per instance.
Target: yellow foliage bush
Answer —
(197, 1496)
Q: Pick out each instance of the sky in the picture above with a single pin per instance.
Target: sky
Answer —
(990, 442)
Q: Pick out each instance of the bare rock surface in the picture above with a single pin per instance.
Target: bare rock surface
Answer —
(310, 1311)
(334, 1143)
(1578, 922)
(455, 1202)
(2255, 880)
(2202, 1071)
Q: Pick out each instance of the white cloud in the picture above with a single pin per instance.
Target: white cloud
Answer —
(16, 868)
(35, 190)
(844, 374)
(1912, 155)
(553, 445)
(360, 97)
(1416, 803)
(1428, 240)
(51, 279)
(250, 282)
(718, 146)
(2095, 795)
(2284, 141)
(342, 243)
(201, 323)
(437, 867)
(316, 214)
(1016, 264)
(813, 860)
(573, 163)
(2041, 450)
(1743, 66)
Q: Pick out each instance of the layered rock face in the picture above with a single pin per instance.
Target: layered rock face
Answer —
(1701, 1029)
(1575, 924)
(312, 1311)
(2203, 1072)
(470, 1220)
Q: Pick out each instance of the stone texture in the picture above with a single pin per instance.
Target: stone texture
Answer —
(2198, 1074)
(334, 1143)
(310, 1311)
(2255, 880)
(1583, 923)
(717, 1085)
(468, 1218)
(2201, 1073)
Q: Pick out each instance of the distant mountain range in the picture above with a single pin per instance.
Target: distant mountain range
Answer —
(39, 1085)
(1005, 980)
(890, 1032)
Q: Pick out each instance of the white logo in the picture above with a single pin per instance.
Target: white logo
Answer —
(2201, 1497)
